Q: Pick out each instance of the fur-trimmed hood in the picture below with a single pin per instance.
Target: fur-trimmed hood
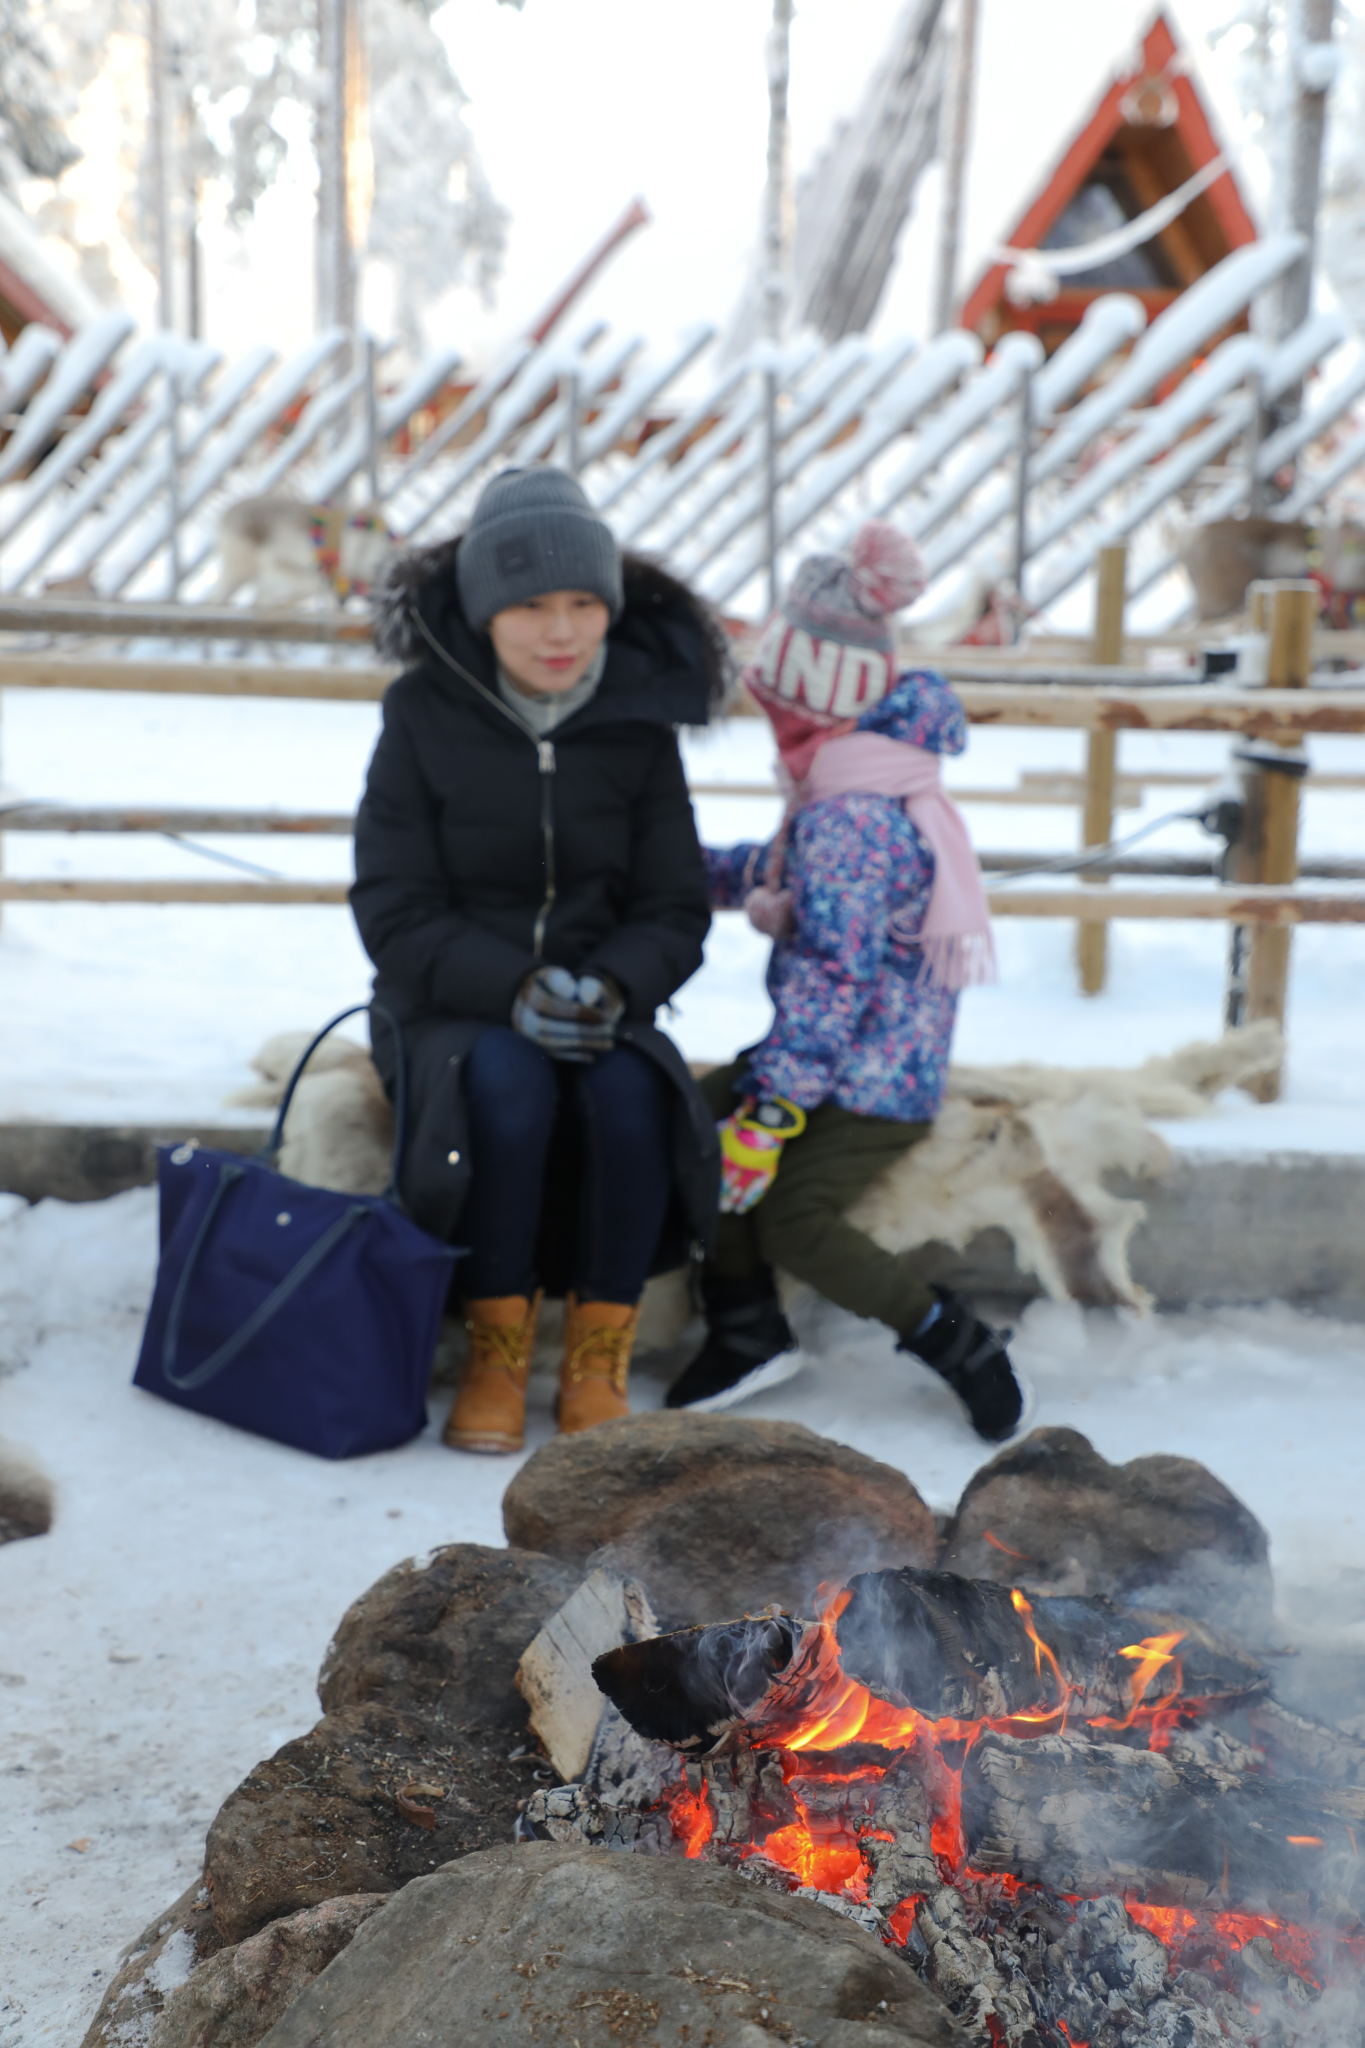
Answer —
(667, 653)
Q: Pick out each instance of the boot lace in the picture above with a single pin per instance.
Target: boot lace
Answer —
(602, 1354)
(498, 1347)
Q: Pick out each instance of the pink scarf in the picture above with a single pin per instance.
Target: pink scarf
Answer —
(956, 932)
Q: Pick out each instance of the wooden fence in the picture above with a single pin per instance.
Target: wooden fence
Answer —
(1101, 699)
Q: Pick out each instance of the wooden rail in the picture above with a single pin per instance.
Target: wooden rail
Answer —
(1087, 904)
(1257, 904)
(1082, 707)
(182, 621)
(345, 683)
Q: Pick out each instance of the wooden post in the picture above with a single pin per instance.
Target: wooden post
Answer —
(1101, 756)
(1293, 615)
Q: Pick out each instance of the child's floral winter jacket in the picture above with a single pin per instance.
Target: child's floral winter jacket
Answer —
(857, 1024)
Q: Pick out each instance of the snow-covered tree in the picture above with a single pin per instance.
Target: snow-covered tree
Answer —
(434, 221)
(33, 108)
(237, 69)
(1256, 35)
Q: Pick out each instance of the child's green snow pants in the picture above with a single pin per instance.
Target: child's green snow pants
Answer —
(800, 1224)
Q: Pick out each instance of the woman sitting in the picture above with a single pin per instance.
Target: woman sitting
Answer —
(530, 888)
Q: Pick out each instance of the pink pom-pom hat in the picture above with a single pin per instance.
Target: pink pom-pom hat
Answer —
(829, 654)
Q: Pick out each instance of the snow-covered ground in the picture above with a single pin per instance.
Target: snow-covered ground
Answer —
(167, 1632)
(127, 1012)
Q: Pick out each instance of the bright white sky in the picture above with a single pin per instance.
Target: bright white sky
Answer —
(578, 107)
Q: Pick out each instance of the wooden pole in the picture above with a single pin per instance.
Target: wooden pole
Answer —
(159, 114)
(1097, 825)
(778, 57)
(1293, 615)
(956, 117)
(1299, 129)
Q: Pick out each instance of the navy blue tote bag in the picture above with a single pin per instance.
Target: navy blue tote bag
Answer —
(297, 1313)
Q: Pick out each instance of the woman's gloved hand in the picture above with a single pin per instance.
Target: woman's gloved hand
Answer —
(751, 1142)
(572, 1017)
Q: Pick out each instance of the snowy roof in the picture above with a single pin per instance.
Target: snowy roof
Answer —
(33, 277)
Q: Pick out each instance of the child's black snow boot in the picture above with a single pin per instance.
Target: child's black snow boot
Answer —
(972, 1358)
(749, 1347)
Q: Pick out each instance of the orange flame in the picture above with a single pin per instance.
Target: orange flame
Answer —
(1041, 1650)
(989, 1536)
(1151, 1655)
(814, 1706)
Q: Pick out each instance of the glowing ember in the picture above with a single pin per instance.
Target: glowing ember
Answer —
(829, 1860)
(691, 1817)
(989, 1536)
(903, 1919)
(1177, 1929)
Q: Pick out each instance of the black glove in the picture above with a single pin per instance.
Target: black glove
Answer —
(571, 1017)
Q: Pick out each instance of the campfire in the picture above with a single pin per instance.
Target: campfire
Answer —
(1086, 1827)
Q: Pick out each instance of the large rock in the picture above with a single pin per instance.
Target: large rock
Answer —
(419, 1688)
(330, 1813)
(717, 1515)
(1051, 1515)
(235, 1998)
(548, 1944)
(446, 1635)
(161, 1957)
(179, 1987)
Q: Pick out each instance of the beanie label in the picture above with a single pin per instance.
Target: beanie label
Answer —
(824, 677)
(512, 556)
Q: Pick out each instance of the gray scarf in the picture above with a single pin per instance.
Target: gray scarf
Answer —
(540, 715)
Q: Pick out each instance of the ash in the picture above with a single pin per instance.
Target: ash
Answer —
(1021, 1966)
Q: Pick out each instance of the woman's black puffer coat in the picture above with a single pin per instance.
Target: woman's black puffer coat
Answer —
(480, 851)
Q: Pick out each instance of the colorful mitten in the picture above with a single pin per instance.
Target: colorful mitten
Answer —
(751, 1144)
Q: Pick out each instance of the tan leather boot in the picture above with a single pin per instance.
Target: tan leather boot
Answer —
(598, 1336)
(489, 1410)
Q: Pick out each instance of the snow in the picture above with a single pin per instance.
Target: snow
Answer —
(133, 1013)
(167, 1633)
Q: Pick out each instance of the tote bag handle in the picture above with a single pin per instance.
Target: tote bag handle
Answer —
(400, 1092)
(200, 1375)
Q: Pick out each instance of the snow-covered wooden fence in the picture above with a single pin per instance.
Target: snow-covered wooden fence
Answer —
(125, 498)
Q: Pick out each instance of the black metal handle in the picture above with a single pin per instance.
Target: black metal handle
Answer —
(400, 1092)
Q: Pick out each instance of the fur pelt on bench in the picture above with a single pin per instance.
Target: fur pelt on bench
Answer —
(1024, 1149)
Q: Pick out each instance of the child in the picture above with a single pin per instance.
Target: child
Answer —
(872, 894)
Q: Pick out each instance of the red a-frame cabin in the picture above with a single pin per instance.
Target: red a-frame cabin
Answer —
(1148, 135)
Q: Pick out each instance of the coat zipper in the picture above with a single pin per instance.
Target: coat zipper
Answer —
(545, 751)
(545, 755)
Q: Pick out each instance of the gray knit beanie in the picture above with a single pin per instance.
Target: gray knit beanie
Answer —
(534, 531)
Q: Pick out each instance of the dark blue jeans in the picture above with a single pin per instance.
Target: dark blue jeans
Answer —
(516, 1095)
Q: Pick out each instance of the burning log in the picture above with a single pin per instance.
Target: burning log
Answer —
(928, 1644)
(1089, 1817)
(691, 1687)
(970, 1650)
